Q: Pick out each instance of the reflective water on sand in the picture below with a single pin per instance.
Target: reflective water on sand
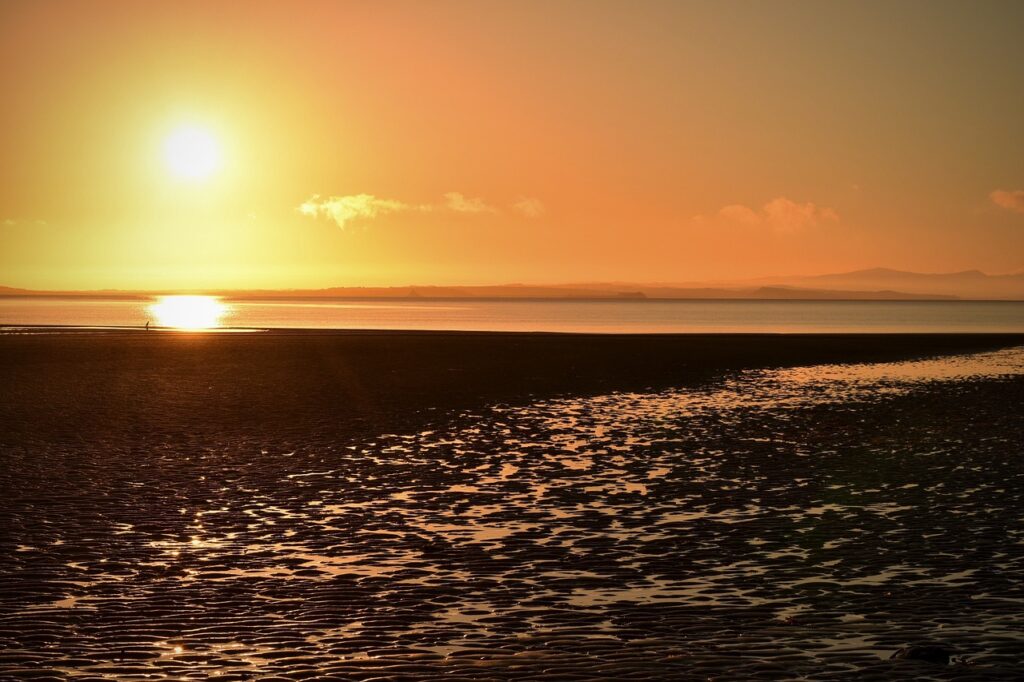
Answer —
(791, 522)
(631, 316)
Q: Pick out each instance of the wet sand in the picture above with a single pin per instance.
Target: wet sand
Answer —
(489, 506)
(301, 387)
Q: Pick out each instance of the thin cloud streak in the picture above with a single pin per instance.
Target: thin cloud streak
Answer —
(345, 209)
(458, 202)
(11, 222)
(531, 207)
(781, 215)
(351, 207)
(1011, 200)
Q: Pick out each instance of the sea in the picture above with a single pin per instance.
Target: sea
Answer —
(600, 316)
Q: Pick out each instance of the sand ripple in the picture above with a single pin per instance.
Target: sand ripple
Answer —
(799, 523)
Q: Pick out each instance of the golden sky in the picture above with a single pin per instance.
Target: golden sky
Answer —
(376, 143)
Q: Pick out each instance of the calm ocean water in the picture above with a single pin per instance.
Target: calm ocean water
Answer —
(562, 316)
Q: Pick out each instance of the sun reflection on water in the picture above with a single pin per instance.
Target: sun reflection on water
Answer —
(188, 312)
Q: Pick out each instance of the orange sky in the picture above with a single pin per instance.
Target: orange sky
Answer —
(487, 142)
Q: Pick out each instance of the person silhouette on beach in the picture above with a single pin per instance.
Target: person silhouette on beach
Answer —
(147, 325)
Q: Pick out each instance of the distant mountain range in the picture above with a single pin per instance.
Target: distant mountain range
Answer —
(874, 284)
(971, 284)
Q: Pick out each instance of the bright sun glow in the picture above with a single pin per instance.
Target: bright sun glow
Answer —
(192, 153)
(188, 312)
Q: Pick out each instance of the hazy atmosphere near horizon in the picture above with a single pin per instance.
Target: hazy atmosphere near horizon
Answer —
(524, 340)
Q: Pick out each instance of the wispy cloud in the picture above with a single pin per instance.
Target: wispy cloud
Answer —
(344, 209)
(456, 201)
(740, 214)
(1011, 200)
(781, 215)
(786, 215)
(531, 207)
(354, 207)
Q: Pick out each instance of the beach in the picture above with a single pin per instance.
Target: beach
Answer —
(294, 505)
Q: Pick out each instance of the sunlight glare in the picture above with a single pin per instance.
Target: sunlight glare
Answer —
(188, 312)
(192, 153)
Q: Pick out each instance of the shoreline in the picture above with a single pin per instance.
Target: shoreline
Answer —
(361, 331)
(149, 296)
(279, 385)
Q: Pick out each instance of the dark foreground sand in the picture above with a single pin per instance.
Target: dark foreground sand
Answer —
(349, 506)
(290, 387)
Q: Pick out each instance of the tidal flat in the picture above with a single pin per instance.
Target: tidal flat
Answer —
(203, 507)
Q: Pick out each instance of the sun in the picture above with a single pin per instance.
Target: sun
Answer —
(188, 312)
(192, 153)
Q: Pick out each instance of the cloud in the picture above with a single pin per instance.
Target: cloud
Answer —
(788, 216)
(740, 214)
(530, 207)
(780, 215)
(1011, 200)
(350, 207)
(8, 222)
(456, 201)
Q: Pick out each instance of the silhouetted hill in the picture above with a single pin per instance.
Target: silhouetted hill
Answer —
(871, 284)
(964, 284)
